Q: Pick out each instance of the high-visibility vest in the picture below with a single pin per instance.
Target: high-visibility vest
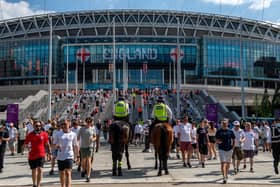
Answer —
(121, 109)
(160, 112)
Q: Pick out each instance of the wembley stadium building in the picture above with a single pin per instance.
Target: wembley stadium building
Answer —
(214, 49)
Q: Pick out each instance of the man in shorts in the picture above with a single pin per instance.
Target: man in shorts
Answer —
(237, 154)
(87, 137)
(225, 140)
(36, 142)
(185, 138)
(67, 147)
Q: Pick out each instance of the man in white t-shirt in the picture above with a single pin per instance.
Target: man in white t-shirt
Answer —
(249, 145)
(67, 152)
(47, 126)
(237, 154)
(175, 131)
(137, 132)
(185, 139)
(54, 132)
(13, 133)
(29, 126)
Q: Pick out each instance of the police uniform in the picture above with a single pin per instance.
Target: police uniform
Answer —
(161, 113)
(121, 111)
(275, 144)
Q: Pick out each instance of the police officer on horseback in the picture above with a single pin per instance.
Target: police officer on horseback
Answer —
(161, 113)
(121, 111)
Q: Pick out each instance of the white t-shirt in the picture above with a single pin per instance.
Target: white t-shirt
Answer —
(138, 129)
(249, 143)
(22, 133)
(239, 134)
(66, 142)
(55, 135)
(193, 134)
(185, 131)
(76, 130)
(175, 130)
(13, 133)
(47, 127)
(29, 127)
(267, 133)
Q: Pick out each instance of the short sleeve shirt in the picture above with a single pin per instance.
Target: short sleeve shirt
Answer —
(239, 134)
(37, 144)
(185, 132)
(202, 136)
(22, 133)
(249, 143)
(66, 142)
(85, 135)
(226, 136)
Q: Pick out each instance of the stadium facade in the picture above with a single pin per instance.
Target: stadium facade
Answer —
(212, 48)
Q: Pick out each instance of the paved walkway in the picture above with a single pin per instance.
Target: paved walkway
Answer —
(17, 173)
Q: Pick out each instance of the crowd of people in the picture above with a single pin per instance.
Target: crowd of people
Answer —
(70, 140)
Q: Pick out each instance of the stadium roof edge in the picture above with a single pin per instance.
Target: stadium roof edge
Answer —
(267, 23)
(194, 24)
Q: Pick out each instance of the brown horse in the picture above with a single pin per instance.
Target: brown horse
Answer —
(119, 137)
(162, 138)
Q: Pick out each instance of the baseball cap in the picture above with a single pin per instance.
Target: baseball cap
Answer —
(236, 123)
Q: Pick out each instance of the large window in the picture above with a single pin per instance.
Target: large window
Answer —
(224, 57)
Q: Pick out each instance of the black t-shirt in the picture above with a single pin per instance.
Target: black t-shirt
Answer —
(226, 136)
(98, 126)
(202, 136)
(4, 134)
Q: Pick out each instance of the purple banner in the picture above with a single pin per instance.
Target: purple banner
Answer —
(212, 112)
(12, 113)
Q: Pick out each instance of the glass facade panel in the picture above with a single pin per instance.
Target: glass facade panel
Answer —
(261, 60)
(27, 59)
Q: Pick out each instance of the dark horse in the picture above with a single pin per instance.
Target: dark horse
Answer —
(162, 138)
(119, 137)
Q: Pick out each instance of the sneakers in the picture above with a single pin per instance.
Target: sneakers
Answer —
(83, 174)
(147, 151)
(203, 165)
(236, 170)
(88, 179)
(224, 181)
(276, 170)
(51, 172)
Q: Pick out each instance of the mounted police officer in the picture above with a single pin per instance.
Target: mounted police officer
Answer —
(275, 144)
(161, 113)
(121, 111)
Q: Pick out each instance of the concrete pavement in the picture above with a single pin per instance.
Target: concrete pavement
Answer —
(17, 172)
